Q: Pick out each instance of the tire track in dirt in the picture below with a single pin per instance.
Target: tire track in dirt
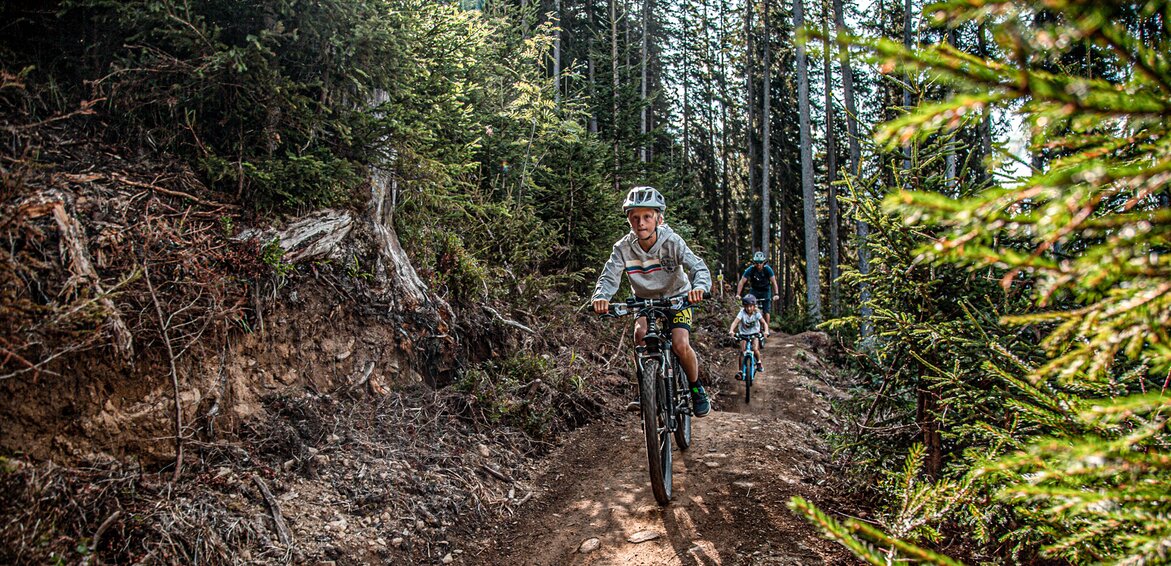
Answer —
(730, 488)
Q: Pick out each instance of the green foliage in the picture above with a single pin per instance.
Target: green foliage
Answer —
(1064, 453)
(269, 103)
(535, 198)
(520, 391)
(273, 255)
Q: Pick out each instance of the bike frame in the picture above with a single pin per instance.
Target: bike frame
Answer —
(748, 356)
(657, 345)
(665, 403)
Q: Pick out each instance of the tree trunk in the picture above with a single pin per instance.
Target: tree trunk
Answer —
(614, 93)
(812, 260)
(557, 54)
(750, 126)
(907, 85)
(684, 23)
(949, 160)
(831, 174)
(986, 129)
(855, 168)
(765, 126)
(642, 123)
(725, 189)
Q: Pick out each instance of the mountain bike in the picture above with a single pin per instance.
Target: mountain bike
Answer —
(663, 391)
(748, 362)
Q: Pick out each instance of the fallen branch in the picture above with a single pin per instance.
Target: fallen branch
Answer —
(163, 324)
(274, 508)
(495, 473)
(97, 538)
(72, 236)
(508, 322)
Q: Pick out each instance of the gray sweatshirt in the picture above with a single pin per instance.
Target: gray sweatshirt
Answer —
(656, 273)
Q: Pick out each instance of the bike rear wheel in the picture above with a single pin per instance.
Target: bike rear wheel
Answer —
(682, 409)
(749, 373)
(654, 426)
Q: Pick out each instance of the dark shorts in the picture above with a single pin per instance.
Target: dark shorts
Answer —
(764, 301)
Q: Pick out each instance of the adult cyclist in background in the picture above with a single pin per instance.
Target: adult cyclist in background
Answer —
(656, 260)
(762, 282)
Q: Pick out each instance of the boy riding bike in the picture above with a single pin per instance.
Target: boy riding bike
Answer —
(748, 322)
(654, 257)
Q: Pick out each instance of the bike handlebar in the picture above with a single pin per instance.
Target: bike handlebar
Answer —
(635, 304)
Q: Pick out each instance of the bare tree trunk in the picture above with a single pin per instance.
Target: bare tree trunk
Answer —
(986, 130)
(812, 260)
(750, 125)
(557, 54)
(831, 172)
(642, 126)
(725, 190)
(907, 86)
(765, 126)
(614, 94)
(591, 66)
(949, 160)
(684, 23)
(855, 168)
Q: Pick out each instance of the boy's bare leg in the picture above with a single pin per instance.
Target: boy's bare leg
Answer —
(681, 345)
(639, 330)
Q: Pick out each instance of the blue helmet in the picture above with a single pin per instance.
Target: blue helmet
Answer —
(748, 299)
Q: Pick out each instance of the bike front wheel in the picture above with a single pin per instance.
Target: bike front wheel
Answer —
(654, 427)
(749, 373)
(682, 408)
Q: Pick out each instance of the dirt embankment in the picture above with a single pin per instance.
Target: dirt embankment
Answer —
(731, 487)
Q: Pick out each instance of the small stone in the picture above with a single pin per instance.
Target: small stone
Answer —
(396, 542)
(712, 464)
(744, 484)
(642, 536)
(447, 558)
(483, 450)
(420, 525)
(589, 545)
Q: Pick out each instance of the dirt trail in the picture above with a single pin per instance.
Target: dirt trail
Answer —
(730, 488)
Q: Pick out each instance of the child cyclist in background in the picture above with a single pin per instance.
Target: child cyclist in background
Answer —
(748, 322)
(657, 261)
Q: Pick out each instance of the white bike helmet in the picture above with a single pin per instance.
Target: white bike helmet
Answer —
(644, 197)
(758, 257)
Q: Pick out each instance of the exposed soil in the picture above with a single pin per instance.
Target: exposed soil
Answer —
(731, 487)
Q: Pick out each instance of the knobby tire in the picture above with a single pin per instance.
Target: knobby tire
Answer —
(658, 443)
(749, 373)
(682, 414)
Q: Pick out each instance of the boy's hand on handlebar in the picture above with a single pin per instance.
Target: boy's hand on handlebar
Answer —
(695, 296)
(601, 306)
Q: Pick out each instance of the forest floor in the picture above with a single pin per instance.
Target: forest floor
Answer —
(731, 487)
